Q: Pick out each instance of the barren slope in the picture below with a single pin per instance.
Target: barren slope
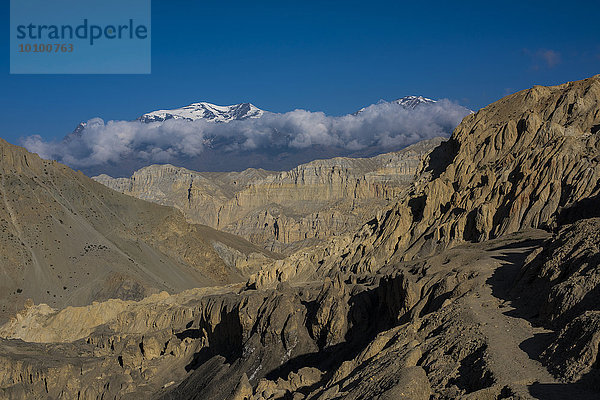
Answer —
(67, 240)
(444, 327)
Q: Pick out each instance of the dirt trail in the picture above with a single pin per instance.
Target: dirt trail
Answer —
(506, 334)
(513, 342)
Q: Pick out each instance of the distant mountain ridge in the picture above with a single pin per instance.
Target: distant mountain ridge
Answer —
(207, 137)
(235, 112)
(408, 102)
(238, 112)
(413, 101)
(205, 111)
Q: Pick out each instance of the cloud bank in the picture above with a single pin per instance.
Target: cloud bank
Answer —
(119, 146)
(543, 58)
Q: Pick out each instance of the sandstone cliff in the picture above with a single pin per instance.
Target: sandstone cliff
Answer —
(282, 211)
(512, 165)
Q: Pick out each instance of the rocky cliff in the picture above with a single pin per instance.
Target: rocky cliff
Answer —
(281, 211)
(513, 165)
(510, 166)
(439, 328)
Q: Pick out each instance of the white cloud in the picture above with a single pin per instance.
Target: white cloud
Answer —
(380, 127)
(547, 58)
(550, 57)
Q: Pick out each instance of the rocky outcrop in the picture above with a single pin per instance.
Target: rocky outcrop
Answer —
(513, 165)
(67, 240)
(434, 328)
(559, 288)
(281, 210)
(510, 166)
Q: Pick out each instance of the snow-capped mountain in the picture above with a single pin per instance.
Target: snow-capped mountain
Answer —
(413, 101)
(252, 138)
(237, 112)
(206, 111)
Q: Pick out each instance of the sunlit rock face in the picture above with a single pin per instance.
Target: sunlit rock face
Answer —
(282, 211)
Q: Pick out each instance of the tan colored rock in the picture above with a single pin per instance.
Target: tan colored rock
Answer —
(305, 377)
(412, 385)
(512, 165)
(243, 391)
(283, 211)
(331, 318)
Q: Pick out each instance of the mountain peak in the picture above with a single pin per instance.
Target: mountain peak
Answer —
(410, 102)
(413, 101)
(206, 111)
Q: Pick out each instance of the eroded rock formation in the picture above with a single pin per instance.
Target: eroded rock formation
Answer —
(437, 328)
(282, 211)
(512, 165)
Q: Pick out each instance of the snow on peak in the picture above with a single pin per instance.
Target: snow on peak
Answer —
(407, 102)
(413, 101)
(206, 111)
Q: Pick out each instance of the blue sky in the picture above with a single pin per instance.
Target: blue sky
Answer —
(326, 56)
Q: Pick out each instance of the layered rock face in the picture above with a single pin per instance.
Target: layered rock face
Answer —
(282, 211)
(512, 165)
(67, 240)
